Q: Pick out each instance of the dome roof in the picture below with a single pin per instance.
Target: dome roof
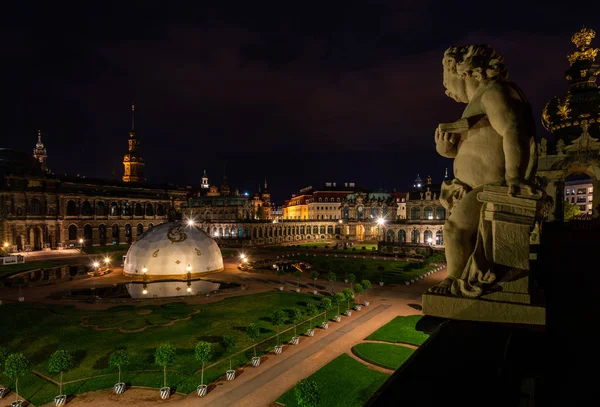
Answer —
(168, 249)
(563, 116)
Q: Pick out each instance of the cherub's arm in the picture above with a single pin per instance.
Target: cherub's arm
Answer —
(445, 144)
(505, 116)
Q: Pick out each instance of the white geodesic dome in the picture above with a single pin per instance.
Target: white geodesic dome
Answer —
(167, 250)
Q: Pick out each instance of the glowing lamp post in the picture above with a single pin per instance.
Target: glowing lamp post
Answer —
(107, 260)
(96, 264)
(380, 223)
(81, 243)
(430, 241)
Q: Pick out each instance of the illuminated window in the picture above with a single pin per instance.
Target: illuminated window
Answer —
(428, 212)
(590, 190)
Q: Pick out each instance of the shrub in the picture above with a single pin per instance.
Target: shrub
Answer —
(373, 248)
(354, 249)
(327, 246)
(228, 342)
(307, 393)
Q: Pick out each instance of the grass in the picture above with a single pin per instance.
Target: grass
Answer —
(394, 271)
(400, 329)
(342, 382)
(9, 270)
(106, 249)
(383, 354)
(39, 330)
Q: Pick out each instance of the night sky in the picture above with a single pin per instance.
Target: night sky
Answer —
(300, 92)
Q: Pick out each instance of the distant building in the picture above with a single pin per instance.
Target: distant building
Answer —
(580, 193)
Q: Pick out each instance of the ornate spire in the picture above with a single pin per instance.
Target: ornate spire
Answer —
(132, 118)
(133, 162)
(39, 152)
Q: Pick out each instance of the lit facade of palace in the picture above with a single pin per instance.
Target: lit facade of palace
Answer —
(581, 193)
(39, 210)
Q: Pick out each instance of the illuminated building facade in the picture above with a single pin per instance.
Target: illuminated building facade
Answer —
(580, 193)
(133, 162)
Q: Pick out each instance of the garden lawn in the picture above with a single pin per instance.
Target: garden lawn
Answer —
(383, 354)
(39, 330)
(9, 270)
(106, 249)
(342, 382)
(400, 329)
(394, 271)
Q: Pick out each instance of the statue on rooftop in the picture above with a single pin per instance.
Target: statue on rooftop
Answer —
(492, 144)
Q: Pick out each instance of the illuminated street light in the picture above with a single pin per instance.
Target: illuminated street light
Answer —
(191, 222)
(189, 268)
(81, 243)
(380, 221)
(430, 240)
(5, 245)
(189, 289)
(245, 260)
(144, 270)
(340, 221)
(107, 260)
(144, 291)
(96, 264)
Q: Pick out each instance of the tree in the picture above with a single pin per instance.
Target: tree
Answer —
(348, 295)
(202, 352)
(298, 274)
(325, 305)
(351, 279)
(277, 319)
(16, 365)
(331, 277)
(253, 332)
(338, 299)
(314, 275)
(164, 356)
(118, 359)
(307, 393)
(228, 342)
(358, 289)
(281, 273)
(60, 362)
(296, 316)
(3, 355)
(571, 210)
(367, 286)
(311, 311)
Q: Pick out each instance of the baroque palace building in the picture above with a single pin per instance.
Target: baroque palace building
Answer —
(40, 210)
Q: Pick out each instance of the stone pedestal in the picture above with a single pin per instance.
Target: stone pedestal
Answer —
(509, 299)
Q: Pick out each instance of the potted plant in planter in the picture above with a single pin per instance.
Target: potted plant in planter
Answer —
(311, 310)
(277, 319)
(367, 286)
(307, 393)
(281, 273)
(325, 306)
(59, 362)
(16, 365)
(338, 299)
(118, 359)
(351, 279)
(228, 342)
(331, 277)
(253, 332)
(298, 274)
(296, 318)
(202, 353)
(358, 289)
(314, 275)
(380, 268)
(164, 356)
(3, 356)
(348, 295)
(230, 374)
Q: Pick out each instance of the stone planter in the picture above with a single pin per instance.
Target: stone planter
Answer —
(21, 299)
(295, 340)
(358, 307)
(230, 374)
(298, 289)
(366, 303)
(315, 292)
(202, 389)
(119, 388)
(60, 401)
(348, 313)
(18, 403)
(310, 332)
(337, 318)
(256, 361)
(381, 283)
(165, 392)
(281, 288)
(3, 392)
(278, 349)
(325, 325)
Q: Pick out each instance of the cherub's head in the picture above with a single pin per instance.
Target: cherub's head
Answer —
(478, 62)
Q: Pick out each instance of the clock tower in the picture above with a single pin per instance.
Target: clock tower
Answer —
(133, 162)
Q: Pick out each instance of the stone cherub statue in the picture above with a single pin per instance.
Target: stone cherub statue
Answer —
(492, 144)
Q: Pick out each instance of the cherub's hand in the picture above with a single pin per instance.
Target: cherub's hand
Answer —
(516, 185)
(445, 141)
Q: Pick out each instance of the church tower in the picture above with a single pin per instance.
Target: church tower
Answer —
(39, 152)
(133, 163)
(205, 184)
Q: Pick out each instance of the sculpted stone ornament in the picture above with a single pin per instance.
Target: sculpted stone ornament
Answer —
(493, 144)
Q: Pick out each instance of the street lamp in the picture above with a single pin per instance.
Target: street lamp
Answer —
(189, 268)
(430, 240)
(106, 260)
(144, 270)
(81, 243)
(191, 222)
(96, 264)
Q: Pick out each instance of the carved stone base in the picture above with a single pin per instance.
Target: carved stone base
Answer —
(481, 309)
(165, 392)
